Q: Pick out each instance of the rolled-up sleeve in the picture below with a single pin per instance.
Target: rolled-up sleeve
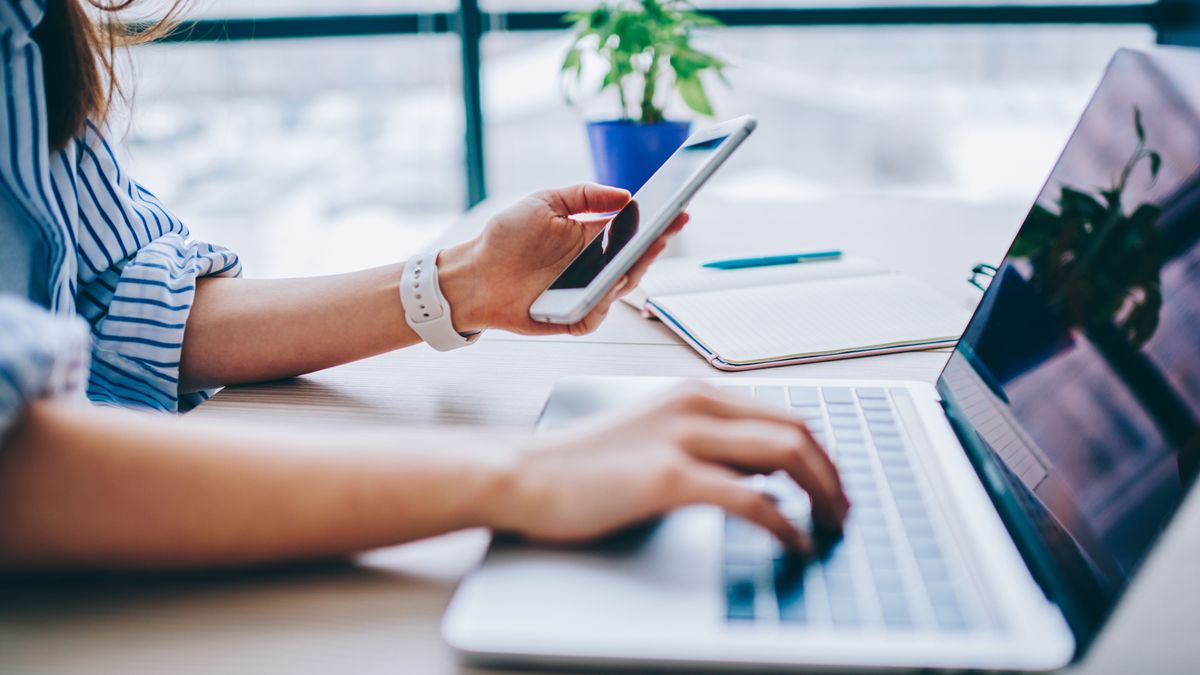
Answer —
(138, 274)
(42, 355)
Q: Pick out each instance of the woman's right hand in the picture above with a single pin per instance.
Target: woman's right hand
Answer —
(692, 448)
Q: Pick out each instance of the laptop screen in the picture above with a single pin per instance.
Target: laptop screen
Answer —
(1079, 375)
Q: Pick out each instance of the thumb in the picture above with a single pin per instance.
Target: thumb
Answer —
(591, 227)
(586, 198)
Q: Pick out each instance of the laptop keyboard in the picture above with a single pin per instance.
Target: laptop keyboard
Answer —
(890, 570)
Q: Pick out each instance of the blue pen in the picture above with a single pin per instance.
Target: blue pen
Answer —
(791, 259)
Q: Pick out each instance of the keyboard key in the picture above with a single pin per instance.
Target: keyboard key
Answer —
(933, 568)
(867, 505)
(790, 575)
(871, 393)
(809, 412)
(739, 600)
(843, 410)
(859, 481)
(845, 423)
(740, 532)
(883, 443)
(928, 554)
(844, 612)
(741, 589)
(838, 395)
(739, 391)
(897, 616)
(852, 448)
(849, 435)
(893, 604)
(878, 415)
(884, 432)
(891, 597)
(776, 397)
(870, 523)
(906, 492)
(876, 536)
(900, 473)
(804, 396)
(851, 463)
(949, 617)
(941, 593)
(792, 603)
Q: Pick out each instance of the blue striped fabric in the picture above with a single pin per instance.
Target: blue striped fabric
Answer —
(41, 355)
(118, 257)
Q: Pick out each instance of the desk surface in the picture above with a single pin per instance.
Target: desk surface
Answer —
(380, 612)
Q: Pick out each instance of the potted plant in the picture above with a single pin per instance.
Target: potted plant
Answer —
(647, 47)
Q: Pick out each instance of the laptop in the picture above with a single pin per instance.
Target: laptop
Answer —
(998, 516)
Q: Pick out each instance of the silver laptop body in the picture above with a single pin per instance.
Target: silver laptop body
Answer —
(997, 516)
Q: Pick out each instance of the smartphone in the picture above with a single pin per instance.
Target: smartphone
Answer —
(631, 232)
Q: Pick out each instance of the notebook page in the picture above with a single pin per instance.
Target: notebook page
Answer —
(769, 323)
(687, 275)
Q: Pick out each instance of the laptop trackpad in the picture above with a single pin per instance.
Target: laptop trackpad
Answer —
(665, 573)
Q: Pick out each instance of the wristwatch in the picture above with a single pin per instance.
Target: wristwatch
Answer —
(425, 308)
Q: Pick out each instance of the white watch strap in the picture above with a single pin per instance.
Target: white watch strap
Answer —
(425, 308)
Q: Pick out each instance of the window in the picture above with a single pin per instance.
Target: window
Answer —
(305, 156)
(975, 113)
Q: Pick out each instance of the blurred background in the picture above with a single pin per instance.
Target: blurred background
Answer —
(296, 131)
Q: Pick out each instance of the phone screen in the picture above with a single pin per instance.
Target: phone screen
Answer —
(655, 196)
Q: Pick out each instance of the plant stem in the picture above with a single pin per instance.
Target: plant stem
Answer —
(624, 105)
(650, 114)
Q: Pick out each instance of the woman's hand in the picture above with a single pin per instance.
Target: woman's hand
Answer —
(689, 449)
(492, 280)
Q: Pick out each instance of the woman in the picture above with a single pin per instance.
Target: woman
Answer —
(102, 291)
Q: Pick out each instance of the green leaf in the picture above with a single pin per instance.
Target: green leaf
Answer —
(700, 20)
(633, 33)
(599, 17)
(580, 20)
(691, 89)
(1037, 233)
(573, 61)
(1137, 124)
(1155, 165)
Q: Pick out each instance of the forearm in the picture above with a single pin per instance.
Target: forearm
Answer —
(245, 330)
(252, 330)
(98, 488)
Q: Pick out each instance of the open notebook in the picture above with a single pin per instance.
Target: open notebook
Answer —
(786, 314)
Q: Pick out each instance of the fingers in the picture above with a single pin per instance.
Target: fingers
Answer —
(585, 198)
(784, 443)
(596, 317)
(677, 224)
(765, 447)
(639, 268)
(592, 321)
(713, 485)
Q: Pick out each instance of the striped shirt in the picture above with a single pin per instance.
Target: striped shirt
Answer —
(110, 251)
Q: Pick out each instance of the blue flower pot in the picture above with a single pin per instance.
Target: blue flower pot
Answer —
(626, 153)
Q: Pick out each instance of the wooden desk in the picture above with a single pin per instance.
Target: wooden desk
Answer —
(380, 613)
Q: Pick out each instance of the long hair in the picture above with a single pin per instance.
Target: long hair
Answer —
(79, 51)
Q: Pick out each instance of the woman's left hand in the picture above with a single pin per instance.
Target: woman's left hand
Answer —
(491, 281)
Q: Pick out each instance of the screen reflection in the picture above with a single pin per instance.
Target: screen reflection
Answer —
(1080, 371)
